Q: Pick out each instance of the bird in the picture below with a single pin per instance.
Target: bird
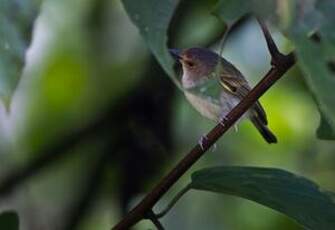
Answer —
(214, 87)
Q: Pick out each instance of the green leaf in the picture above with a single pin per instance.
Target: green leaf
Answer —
(17, 19)
(318, 77)
(9, 220)
(298, 19)
(231, 10)
(152, 18)
(292, 195)
(314, 59)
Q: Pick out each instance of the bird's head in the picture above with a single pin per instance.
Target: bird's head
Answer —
(197, 63)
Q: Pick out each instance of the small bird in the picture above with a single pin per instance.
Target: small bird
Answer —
(214, 87)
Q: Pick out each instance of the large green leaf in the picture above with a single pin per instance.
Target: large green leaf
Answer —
(315, 58)
(152, 18)
(17, 19)
(292, 195)
(298, 19)
(232, 10)
(9, 221)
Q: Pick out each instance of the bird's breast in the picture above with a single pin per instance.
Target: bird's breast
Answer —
(187, 81)
(205, 107)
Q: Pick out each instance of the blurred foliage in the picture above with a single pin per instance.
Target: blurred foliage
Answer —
(9, 220)
(17, 19)
(88, 80)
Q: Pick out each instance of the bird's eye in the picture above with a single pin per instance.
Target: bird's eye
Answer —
(190, 64)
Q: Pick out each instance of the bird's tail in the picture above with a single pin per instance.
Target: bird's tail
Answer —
(264, 130)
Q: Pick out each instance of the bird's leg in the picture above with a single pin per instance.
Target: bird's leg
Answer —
(213, 149)
(225, 109)
(224, 119)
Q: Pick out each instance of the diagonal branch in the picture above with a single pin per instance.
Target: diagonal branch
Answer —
(280, 64)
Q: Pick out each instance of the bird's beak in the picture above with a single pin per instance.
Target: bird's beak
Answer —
(175, 53)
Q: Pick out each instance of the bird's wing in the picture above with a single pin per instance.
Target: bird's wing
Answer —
(234, 82)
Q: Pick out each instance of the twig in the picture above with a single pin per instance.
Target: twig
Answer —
(272, 47)
(173, 201)
(151, 216)
(281, 63)
(277, 58)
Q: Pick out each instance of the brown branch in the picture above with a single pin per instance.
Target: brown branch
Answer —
(280, 64)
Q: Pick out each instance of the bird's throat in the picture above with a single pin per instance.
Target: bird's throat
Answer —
(187, 81)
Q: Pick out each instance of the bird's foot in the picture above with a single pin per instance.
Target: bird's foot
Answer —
(223, 120)
(236, 128)
(201, 141)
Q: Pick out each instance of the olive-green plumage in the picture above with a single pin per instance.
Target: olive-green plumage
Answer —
(214, 86)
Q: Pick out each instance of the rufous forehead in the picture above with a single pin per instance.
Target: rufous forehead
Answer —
(189, 55)
(187, 58)
(185, 55)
